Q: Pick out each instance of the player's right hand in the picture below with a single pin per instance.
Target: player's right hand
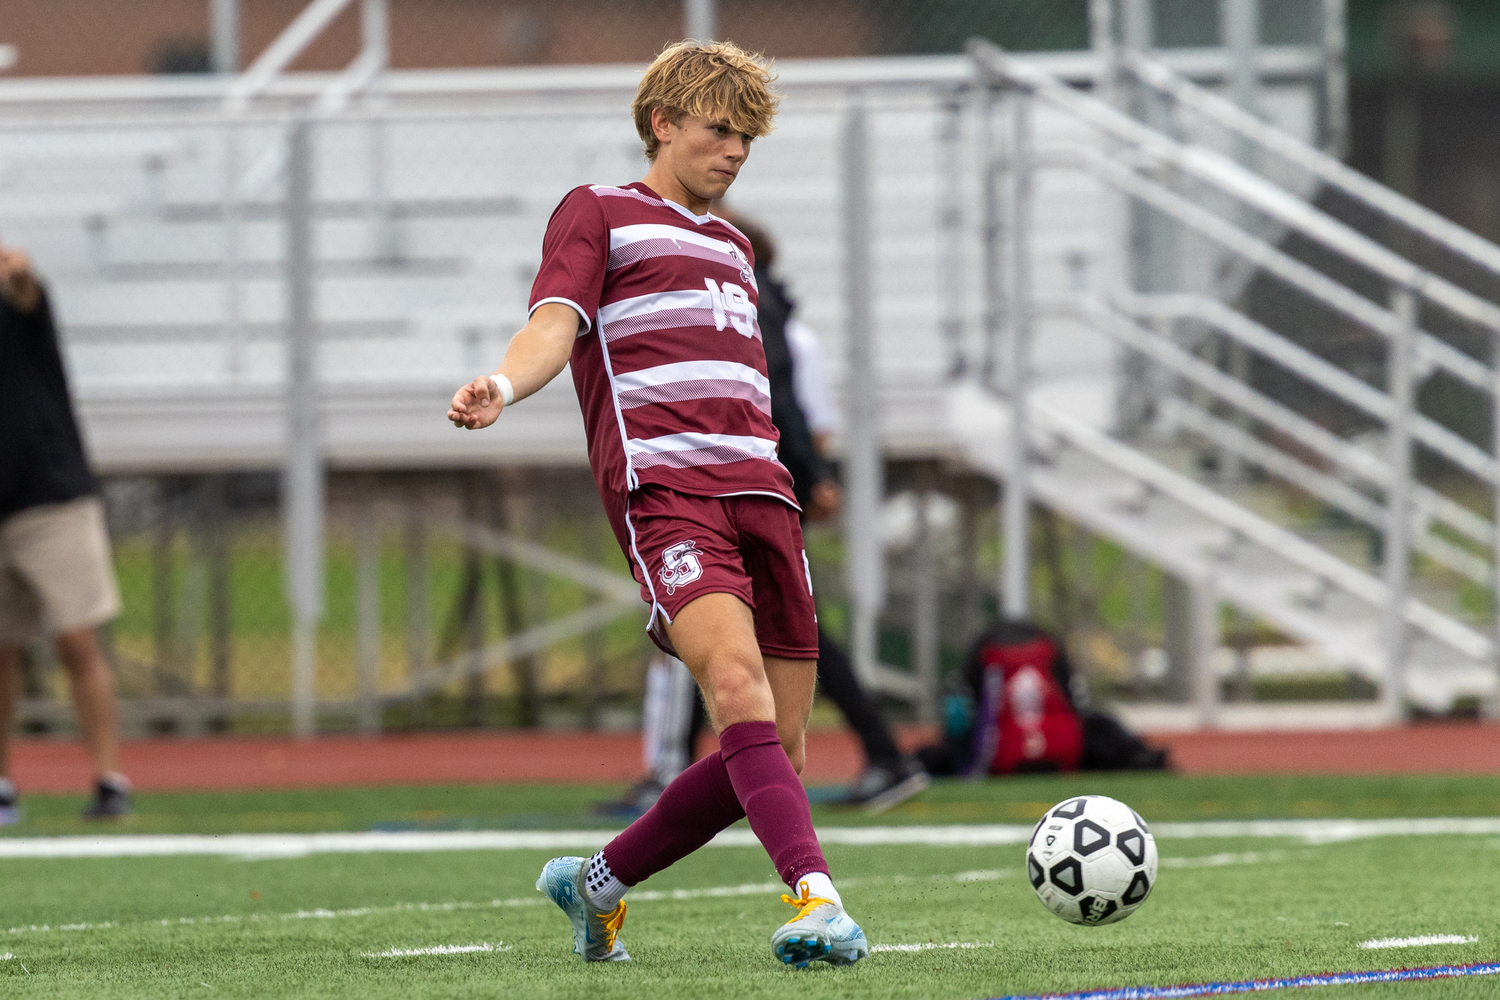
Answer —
(476, 405)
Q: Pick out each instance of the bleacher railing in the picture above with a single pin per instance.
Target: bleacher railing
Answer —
(1235, 204)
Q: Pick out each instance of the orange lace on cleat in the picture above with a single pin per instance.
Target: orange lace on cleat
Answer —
(805, 903)
(613, 921)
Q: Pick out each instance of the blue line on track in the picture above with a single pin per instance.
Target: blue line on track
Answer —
(1258, 985)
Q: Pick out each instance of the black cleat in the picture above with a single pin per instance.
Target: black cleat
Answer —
(111, 799)
(638, 798)
(10, 803)
(879, 788)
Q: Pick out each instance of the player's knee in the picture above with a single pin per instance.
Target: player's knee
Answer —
(736, 681)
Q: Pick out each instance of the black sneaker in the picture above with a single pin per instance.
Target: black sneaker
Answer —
(638, 798)
(111, 799)
(10, 803)
(879, 788)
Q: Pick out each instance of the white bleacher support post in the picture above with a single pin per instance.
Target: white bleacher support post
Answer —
(1335, 137)
(994, 293)
(233, 333)
(1205, 640)
(1106, 47)
(376, 32)
(700, 19)
(367, 615)
(864, 475)
(1138, 25)
(1239, 27)
(1491, 706)
(1397, 547)
(926, 642)
(1015, 573)
(224, 35)
(302, 496)
(951, 166)
(1140, 242)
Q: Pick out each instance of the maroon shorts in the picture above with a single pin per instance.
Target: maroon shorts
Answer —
(682, 546)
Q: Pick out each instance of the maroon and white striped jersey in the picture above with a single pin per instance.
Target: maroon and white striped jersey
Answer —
(669, 365)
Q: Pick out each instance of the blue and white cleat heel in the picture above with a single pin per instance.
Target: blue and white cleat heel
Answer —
(820, 932)
(596, 936)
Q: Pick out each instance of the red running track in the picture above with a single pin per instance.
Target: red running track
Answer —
(48, 765)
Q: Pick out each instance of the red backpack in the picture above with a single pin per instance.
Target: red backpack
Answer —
(1025, 721)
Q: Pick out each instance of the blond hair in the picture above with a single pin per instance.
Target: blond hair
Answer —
(715, 80)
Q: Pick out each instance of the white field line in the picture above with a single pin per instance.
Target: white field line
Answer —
(932, 945)
(440, 949)
(641, 896)
(1426, 940)
(6, 957)
(283, 845)
(1220, 860)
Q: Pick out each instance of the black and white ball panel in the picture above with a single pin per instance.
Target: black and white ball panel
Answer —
(1091, 860)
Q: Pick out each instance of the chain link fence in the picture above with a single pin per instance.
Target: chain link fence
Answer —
(417, 606)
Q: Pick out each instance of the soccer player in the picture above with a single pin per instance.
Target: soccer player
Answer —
(671, 715)
(653, 300)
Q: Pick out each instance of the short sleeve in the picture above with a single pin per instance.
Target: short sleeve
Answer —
(575, 253)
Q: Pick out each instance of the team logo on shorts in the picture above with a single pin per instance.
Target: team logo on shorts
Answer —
(680, 565)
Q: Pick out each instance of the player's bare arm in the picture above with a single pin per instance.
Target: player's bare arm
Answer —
(536, 356)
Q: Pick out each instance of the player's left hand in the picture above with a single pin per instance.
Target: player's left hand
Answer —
(476, 405)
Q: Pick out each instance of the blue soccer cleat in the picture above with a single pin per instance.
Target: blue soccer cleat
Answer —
(595, 934)
(820, 932)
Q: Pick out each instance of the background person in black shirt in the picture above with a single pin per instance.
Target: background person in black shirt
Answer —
(56, 575)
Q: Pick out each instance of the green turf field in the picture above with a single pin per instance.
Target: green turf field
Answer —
(1224, 908)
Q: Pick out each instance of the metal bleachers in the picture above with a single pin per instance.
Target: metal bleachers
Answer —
(1068, 258)
(157, 212)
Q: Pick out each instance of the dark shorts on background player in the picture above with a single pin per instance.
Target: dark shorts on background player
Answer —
(748, 545)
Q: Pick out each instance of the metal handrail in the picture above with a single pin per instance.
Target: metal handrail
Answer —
(1272, 259)
(1392, 204)
(1309, 366)
(282, 51)
(1052, 421)
(1345, 455)
(1249, 448)
(1249, 189)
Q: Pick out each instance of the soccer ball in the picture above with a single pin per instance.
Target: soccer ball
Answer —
(1091, 860)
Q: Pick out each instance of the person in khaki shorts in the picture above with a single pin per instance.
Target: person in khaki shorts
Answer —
(56, 575)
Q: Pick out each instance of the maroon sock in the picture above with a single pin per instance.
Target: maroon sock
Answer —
(773, 797)
(696, 805)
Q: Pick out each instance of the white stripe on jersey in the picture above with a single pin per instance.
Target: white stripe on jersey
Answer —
(606, 191)
(625, 235)
(655, 302)
(686, 371)
(690, 449)
(674, 310)
(694, 380)
(633, 244)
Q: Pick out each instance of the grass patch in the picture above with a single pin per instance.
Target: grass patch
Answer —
(165, 927)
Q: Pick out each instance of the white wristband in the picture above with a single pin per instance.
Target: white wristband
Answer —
(503, 389)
